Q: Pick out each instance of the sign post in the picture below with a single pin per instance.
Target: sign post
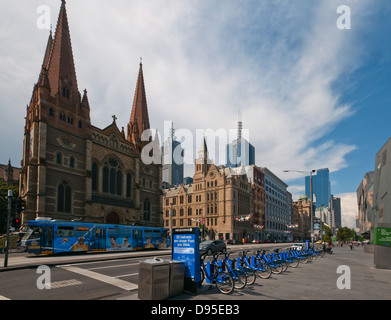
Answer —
(186, 248)
(8, 228)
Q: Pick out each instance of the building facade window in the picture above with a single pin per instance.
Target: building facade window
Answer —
(64, 197)
(147, 210)
(94, 176)
(112, 178)
(59, 158)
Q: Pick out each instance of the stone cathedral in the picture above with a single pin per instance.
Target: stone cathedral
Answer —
(72, 170)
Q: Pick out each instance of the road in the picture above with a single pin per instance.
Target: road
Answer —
(85, 277)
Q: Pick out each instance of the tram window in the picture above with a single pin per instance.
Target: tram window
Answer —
(113, 232)
(65, 231)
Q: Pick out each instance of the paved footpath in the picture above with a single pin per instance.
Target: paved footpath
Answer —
(316, 281)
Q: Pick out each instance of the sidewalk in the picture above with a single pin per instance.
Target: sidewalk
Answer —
(313, 281)
(21, 260)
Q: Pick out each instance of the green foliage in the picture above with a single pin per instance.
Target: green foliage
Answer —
(13, 240)
(4, 203)
(345, 234)
(328, 236)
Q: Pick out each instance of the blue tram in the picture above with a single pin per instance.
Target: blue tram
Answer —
(46, 236)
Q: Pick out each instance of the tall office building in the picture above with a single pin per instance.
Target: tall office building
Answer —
(335, 207)
(172, 161)
(320, 187)
(240, 151)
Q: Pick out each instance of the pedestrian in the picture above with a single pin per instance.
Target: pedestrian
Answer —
(351, 245)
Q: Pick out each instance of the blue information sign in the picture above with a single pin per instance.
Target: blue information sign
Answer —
(186, 248)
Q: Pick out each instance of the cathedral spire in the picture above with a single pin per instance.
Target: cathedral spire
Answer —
(139, 116)
(48, 50)
(60, 64)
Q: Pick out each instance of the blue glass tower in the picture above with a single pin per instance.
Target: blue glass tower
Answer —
(320, 187)
(240, 151)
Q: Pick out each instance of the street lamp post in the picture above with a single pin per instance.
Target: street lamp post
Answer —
(311, 201)
(172, 239)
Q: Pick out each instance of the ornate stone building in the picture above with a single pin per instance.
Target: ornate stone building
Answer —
(74, 170)
(301, 217)
(217, 201)
(9, 174)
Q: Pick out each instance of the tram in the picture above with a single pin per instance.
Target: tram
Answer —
(47, 236)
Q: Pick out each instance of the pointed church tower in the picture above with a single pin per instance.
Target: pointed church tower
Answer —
(139, 119)
(60, 65)
(57, 137)
(201, 163)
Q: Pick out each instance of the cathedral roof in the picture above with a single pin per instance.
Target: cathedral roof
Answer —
(60, 63)
(139, 113)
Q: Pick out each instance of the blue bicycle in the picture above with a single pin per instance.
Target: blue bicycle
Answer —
(222, 280)
(239, 276)
(261, 270)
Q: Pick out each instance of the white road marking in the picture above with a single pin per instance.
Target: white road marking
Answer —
(115, 266)
(4, 298)
(101, 277)
(64, 283)
(127, 275)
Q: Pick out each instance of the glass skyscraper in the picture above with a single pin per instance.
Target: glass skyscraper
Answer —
(320, 188)
(240, 151)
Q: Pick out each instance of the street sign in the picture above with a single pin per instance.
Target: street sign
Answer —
(186, 248)
(382, 236)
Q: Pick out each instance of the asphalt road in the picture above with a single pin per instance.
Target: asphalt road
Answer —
(107, 276)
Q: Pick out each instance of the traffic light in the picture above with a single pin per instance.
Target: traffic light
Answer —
(20, 205)
(16, 223)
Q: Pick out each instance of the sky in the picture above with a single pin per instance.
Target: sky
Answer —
(311, 95)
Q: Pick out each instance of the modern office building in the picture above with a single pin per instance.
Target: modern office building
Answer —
(382, 181)
(364, 219)
(172, 161)
(277, 213)
(320, 187)
(335, 208)
(240, 151)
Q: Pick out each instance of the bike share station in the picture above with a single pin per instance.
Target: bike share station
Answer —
(161, 279)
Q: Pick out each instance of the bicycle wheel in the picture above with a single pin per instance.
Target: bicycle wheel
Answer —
(293, 262)
(225, 283)
(241, 279)
(265, 272)
(276, 268)
(251, 276)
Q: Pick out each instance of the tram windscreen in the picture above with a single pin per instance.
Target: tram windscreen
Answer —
(31, 233)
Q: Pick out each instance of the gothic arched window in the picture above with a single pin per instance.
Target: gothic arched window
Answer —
(128, 185)
(112, 177)
(94, 175)
(64, 197)
(147, 210)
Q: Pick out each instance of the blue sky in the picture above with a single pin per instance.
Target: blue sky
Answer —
(311, 95)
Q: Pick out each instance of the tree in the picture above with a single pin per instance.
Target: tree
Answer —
(345, 234)
(328, 236)
(4, 204)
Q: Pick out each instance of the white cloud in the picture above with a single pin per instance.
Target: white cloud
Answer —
(203, 61)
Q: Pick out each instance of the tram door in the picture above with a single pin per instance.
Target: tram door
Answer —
(100, 238)
(46, 239)
(137, 239)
